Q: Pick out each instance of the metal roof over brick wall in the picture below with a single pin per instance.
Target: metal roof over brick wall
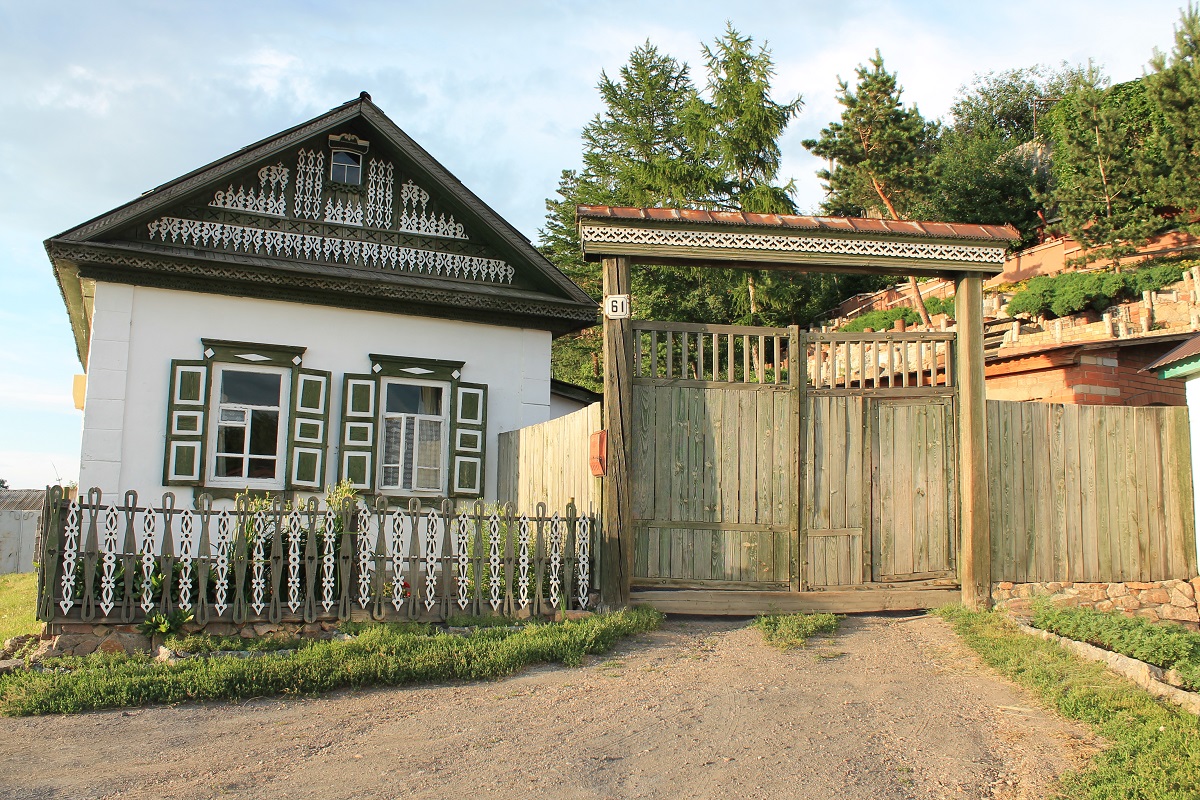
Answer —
(22, 499)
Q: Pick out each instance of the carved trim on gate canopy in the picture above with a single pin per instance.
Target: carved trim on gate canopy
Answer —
(244, 238)
(734, 240)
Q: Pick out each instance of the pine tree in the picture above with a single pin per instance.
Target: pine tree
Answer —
(1100, 183)
(1174, 88)
(880, 152)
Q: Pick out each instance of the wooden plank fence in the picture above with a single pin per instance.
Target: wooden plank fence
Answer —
(1090, 493)
(549, 463)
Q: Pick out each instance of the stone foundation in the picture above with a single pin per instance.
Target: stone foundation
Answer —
(81, 638)
(1173, 600)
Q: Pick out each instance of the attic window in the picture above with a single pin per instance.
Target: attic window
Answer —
(346, 167)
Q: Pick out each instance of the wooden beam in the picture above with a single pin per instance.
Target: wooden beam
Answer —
(616, 542)
(749, 603)
(975, 548)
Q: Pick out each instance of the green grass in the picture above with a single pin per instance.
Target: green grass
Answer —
(786, 631)
(203, 644)
(18, 605)
(381, 655)
(1154, 748)
(1165, 645)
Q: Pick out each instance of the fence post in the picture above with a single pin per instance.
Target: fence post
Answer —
(51, 550)
(616, 544)
(975, 547)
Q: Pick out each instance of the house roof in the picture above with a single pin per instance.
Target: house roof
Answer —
(572, 391)
(22, 499)
(1188, 350)
(115, 247)
(940, 230)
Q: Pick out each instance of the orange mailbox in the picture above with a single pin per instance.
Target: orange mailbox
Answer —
(598, 452)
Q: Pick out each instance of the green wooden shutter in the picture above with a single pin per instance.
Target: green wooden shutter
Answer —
(469, 438)
(187, 411)
(360, 412)
(309, 424)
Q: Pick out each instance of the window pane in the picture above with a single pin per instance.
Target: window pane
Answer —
(229, 467)
(231, 439)
(264, 432)
(343, 157)
(262, 468)
(233, 415)
(431, 400)
(429, 455)
(391, 477)
(403, 398)
(409, 425)
(250, 388)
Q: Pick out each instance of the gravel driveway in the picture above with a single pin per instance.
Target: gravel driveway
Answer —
(891, 707)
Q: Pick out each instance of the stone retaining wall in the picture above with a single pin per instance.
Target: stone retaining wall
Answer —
(1173, 600)
(81, 638)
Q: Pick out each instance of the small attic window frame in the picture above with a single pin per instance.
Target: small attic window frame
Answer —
(349, 171)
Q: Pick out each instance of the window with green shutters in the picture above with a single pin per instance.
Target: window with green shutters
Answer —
(357, 465)
(470, 434)
(187, 409)
(309, 429)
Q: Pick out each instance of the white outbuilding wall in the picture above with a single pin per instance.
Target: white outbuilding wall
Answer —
(18, 537)
(136, 332)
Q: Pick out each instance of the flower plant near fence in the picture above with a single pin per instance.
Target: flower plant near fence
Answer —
(120, 563)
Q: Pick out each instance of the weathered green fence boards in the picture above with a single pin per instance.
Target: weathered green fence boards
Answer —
(1090, 493)
(549, 463)
(834, 490)
(714, 484)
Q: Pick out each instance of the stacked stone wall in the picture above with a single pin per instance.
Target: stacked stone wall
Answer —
(1173, 600)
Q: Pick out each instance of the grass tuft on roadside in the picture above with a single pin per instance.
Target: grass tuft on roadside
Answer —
(18, 605)
(786, 631)
(1163, 644)
(381, 655)
(1154, 749)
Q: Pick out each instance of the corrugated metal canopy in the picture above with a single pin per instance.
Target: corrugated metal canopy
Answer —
(22, 499)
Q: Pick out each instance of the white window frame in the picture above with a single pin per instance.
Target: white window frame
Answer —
(346, 167)
(279, 482)
(447, 399)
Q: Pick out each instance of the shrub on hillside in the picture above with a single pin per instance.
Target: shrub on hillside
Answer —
(1072, 292)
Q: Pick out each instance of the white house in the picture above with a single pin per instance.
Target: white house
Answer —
(329, 303)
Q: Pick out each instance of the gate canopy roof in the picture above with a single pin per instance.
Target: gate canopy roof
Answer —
(694, 237)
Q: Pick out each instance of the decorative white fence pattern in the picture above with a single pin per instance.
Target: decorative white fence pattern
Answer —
(120, 563)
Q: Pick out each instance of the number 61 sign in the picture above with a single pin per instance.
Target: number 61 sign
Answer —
(616, 306)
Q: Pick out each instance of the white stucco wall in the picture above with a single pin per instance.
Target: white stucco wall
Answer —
(137, 331)
(1192, 387)
(561, 406)
(18, 537)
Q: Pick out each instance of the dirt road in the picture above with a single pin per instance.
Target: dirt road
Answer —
(889, 708)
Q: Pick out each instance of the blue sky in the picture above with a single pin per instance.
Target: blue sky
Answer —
(102, 101)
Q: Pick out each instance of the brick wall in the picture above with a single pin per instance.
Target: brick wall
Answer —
(1109, 376)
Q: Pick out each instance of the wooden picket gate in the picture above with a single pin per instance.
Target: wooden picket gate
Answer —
(756, 469)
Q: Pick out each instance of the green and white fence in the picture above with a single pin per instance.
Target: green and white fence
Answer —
(119, 563)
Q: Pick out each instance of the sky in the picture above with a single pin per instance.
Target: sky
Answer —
(100, 102)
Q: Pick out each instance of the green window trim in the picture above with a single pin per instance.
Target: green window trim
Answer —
(468, 439)
(308, 442)
(418, 368)
(253, 353)
(184, 460)
(360, 395)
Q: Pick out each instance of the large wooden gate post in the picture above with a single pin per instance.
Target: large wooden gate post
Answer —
(975, 547)
(616, 543)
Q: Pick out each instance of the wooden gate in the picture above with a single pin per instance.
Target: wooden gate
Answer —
(753, 469)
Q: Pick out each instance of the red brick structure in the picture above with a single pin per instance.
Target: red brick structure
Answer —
(1093, 373)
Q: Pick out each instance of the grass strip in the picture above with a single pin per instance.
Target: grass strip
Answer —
(18, 605)
(1154, 747)
(786, 631)
(383, 655)
(1165, 645)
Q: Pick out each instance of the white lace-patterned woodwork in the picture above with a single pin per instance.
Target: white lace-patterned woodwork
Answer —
(337, 213)
(523, 561)
(432, 528)
(415, 219)
(70, 556)
(366, 556)
(462, 559)
(380, 190)
(248, 239)
(395, 550)
(108, 560)
(220, 544)
(270, 198)
(149, 550)
(258, 563)
(186, 556)
(495, 563)
(295, 535)
(583, 560)
(310, 179)
(328, 560)
(733, 240)
(556, 558)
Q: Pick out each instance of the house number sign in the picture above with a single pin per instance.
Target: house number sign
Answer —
(616, 306)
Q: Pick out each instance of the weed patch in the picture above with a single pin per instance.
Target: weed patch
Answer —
(18, 605)
(786, 631)
(1154, 749)
(381, 655)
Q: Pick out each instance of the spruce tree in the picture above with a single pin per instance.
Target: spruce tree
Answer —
(879, 152)
(1174, 87)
